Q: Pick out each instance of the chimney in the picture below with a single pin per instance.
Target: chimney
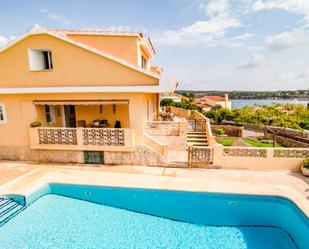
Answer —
(226, 97)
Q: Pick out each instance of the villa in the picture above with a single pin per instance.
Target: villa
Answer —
(79, 96)
(93, 97)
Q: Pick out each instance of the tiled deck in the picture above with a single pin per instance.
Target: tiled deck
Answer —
(19, 178)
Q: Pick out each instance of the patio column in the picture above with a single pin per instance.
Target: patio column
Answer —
(136, 116)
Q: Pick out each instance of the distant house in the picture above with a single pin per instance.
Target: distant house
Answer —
(207, 102)
(175, 97)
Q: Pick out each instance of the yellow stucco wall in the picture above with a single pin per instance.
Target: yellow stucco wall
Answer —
(72, 66)
(152, 113)
(124, 47)
(21, 112)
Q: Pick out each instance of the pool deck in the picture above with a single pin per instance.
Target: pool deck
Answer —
(24, 178)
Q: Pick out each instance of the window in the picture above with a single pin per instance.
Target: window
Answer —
(2, 114)
(144, 62)
(40, 59)
(50, 114)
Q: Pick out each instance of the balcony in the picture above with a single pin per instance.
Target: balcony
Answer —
(82, 139)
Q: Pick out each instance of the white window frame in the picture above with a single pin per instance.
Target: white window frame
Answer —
(4, 121)
(36, 61)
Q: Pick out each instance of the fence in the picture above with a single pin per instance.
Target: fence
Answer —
(162, 128)
(179, 112)
(196, 125)
(259, 158)
(81, 138)
(200, 156)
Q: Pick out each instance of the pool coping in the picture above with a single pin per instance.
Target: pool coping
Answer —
(155, 178)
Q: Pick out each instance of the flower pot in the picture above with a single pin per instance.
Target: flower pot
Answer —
(305, 171)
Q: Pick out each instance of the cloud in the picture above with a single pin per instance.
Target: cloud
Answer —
(220, 21)
(304, 75)
(5, 40)
(286, 40)
(216, 8)
(254, 61)
(294, 6)
(55, 16)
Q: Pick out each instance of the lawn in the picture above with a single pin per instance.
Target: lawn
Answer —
(226, 141)
(254, 143)
(229, 141)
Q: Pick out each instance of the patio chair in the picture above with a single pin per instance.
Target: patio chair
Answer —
(81, 123)
(117, 124)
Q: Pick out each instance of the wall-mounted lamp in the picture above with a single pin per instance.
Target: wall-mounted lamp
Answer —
(114, 108)
(101, 108)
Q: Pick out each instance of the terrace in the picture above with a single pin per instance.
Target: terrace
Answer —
(83, 125)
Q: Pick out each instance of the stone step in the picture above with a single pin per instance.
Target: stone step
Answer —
(9, 205)
(196, 133)
(196, 141)
(197, 136)
(10, 212)
(4, 202)
(8, 209)
(198, 144)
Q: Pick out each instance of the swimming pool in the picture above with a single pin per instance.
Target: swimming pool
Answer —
(74, 216)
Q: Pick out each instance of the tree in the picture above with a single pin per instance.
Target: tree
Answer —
(166, 102)
(269, 117)
(218, 114)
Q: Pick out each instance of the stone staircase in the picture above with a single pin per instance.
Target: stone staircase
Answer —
(8, 209)
(197, 139)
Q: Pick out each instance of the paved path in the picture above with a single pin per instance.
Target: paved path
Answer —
(240, 143)
(249, 133)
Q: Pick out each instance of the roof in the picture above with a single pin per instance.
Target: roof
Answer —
(103, 32)
(165, 84)
(65, 32)
(202, 103)
(156, 69)
(214, 98)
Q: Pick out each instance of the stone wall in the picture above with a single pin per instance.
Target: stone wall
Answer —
(142, 155)
(24, 153)
(291, 143)
(282, 131)
(230, 130)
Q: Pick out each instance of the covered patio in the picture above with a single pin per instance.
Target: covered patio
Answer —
(95, 125)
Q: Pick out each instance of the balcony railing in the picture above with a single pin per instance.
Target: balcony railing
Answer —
(81, 138)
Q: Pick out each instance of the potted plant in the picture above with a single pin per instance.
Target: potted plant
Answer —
(305, 167)
(35, 124)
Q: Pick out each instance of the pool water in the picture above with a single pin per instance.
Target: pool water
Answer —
(55, 221)
(60, 216)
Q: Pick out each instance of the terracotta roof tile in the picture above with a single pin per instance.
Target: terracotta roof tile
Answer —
(214, 98)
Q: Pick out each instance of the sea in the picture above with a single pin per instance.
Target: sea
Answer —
(240, 103)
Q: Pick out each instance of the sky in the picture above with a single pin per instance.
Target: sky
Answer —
(203, 44)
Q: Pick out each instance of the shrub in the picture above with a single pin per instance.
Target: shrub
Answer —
(35, 124)
(219, 131)
(306, 163)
